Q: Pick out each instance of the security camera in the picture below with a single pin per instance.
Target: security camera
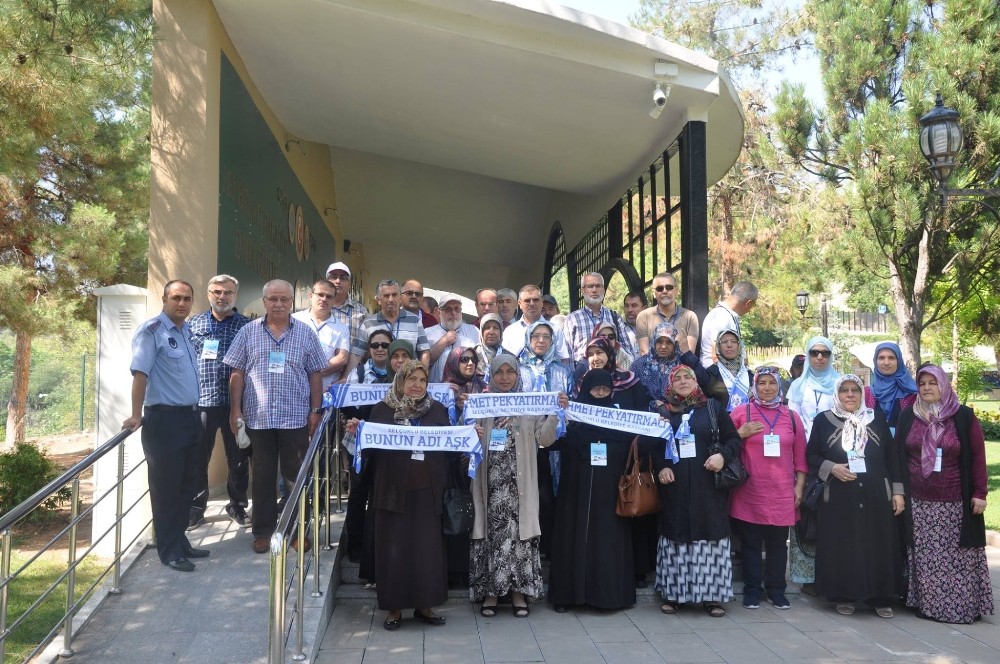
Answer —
(659, 96)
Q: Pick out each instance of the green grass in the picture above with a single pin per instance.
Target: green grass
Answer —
(991, 405)
(992, 514)
(28, 587)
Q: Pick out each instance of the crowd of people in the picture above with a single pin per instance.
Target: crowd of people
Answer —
(897, 467)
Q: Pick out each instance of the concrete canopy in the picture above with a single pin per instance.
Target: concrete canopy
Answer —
(462, 129)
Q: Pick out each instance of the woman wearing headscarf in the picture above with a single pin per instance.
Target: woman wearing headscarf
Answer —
(653, 369)
(774, 454)
(946, 474)
(490, 339)
(407, 494)
(606, 330)
(892, 389)
(591, 560)
(810, 394)
(460, 372)
(729, 373)
(504, 556)
(629, 393)
(857, 546)
(693, 561)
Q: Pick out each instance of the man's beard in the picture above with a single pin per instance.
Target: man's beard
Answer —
(221, 311)
(451, 326)
(593, 301)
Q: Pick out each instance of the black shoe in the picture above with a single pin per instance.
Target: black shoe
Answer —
(181, 565)
(391, 625)
(433, 621)
(197, 553)
(237, 514)
(195, 520)
(561, 608)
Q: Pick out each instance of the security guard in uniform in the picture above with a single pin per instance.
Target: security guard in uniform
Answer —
(165, 404)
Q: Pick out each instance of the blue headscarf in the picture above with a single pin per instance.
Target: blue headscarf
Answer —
(820, 381)
(543, 374)
(888, 390)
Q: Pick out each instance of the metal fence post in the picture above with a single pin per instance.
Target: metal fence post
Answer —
(116, 581)
(339, 436)
(315, 525)
(300, 579)
(327, 450)
(83, 385)
(5, 545)
(74, 510)
(276, 615)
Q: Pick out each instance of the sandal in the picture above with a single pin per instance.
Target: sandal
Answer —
(883, 612)
(669, 608)
(714, 610)
(845, 609)
(520, 611)
(488, 610)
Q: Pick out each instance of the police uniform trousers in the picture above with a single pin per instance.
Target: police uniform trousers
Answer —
(170, 441)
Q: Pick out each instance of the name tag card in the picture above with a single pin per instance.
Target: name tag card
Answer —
(417, 456)
(772, 445)
(856, 463)
(937, 461)
(276, 362)
(687, 447)
(598, 454)
(498, 440)
(210, 351)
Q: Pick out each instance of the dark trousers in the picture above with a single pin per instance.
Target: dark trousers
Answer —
(271, 446)
(357, 505)
(170, 443)
(216, 418)
(756, 538)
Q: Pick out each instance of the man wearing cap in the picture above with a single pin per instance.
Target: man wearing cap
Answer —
(550, 307)
(580, 325)
(400, 322)
(413, 297)
(345, 310)
(451, 333)
(165, 403)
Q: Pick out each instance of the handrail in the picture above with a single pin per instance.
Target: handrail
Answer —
(50, 489)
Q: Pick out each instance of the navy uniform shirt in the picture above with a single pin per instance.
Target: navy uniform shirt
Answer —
(163, 352)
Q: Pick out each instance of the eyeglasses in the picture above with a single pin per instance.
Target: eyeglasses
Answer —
(541, 337)
(665, 287)
(339, 277)
(220, 293)
(379, 345)
(413, 293)
(820, 353)
(465, 359)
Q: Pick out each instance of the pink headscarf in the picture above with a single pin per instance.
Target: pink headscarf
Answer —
(935, 415)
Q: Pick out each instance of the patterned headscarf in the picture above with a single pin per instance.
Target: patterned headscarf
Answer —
(936, 416)
(622, 380)
(888, 390)
(653, 370)
(766, 371)
(406, 408)
(694, 400)
(453, 372)
(819, 381)
(733, 371)
(854, 435)
(484, 352)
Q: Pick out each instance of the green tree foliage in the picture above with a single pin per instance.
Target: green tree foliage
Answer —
(74, 163)
(882, 60)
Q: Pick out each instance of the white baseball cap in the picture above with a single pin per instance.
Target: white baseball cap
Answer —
(444, 298)
(338, 266)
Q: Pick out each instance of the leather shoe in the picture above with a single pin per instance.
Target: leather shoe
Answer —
(306, 548)
(195, 519)
(197, 553)
(433, 621)
(181, 565)
(262, 545)
(391, 625)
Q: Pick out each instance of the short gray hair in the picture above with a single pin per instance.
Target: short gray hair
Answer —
(744, 291)
(387, 282)
(667, 275)
(223, 278)
(276, 282)
(504, 293)
(528, 287)
(592, 274)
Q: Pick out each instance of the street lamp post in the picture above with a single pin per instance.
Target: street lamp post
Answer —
(802, 304)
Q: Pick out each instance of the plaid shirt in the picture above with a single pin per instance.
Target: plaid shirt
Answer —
(213, 374)
(353, 315)
(407, 326)
(276, 400)
(580, 325)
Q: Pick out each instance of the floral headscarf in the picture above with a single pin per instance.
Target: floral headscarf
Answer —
(734, 371)
(484, 352)
(453, 372)
(766, 371)
(936, 415)
(406, 408)
(694, 400)
(854, 435)
(653, 370)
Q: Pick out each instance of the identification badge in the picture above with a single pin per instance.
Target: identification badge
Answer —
(856, 463)
(772, 445)
(276, 362)
(210, 350)
(892, 431)
(417, 456)
(937, 461)
(498, 440)
(688, 450)
(598, 454)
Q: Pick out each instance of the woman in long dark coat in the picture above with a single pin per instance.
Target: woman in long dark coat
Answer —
(591, 560)
(857, 546)
(693, 560)
(407, 491)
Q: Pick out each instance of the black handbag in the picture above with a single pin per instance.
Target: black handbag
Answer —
(733, 473)
(459, 512)
(805, 527)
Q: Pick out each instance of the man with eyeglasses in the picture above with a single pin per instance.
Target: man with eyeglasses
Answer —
(530, 301)
(334, 337)
(400, 322)
(413, 298)
(580, 325)
(451, 333)
(276, 388)
(726, 316)
(212, 332)
(666, 310)
(347, 311)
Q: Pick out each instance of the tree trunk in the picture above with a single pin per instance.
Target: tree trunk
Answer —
(728, 268)
(17, 409)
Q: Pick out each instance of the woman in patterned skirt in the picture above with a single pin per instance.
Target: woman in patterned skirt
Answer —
(504, 557)
(946, 463)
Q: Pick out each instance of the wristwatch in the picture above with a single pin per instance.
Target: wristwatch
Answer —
(316, 411)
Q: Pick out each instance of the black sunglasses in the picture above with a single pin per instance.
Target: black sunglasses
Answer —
(379, 345)
(819, 353)
(666, 287)
(465, 359)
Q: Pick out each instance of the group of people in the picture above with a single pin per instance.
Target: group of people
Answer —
(900, 465)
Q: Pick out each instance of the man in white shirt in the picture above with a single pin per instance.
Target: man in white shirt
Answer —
(334, 337)
(726, 316)
(451, 333)
(530, 301)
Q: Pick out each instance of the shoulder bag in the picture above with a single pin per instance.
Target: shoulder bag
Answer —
(733, 473)
(638, 494)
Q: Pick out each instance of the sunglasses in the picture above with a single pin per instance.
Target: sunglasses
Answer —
(666, 287)
(379, 345)
(610, 336)
(465, 359)
(820, 353)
